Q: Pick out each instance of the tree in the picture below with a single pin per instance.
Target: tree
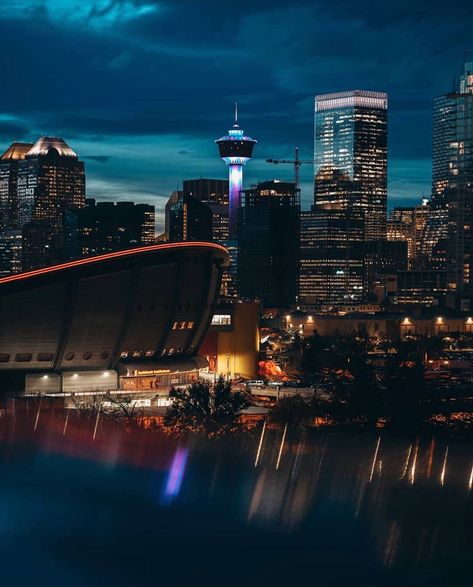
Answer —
(121, 409)
(202, 408)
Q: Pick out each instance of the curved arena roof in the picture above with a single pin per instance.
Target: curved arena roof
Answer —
(135, 305)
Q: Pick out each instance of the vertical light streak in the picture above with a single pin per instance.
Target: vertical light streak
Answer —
(258, 452)
(97, 421)
(176, 473)
(281, 447)
(65, 423)
(38, 411)
(431, 457)
(470, 481)
(414, 462)
(374, 459)
(406, 466)
(444, 468)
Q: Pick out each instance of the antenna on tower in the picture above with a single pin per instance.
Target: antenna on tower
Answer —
(236, 113)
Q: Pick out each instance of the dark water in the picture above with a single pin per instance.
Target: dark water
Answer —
(137, 509)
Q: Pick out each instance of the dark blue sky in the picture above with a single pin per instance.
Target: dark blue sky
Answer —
(141, 88)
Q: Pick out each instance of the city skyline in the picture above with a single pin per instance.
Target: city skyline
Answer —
(125, 106)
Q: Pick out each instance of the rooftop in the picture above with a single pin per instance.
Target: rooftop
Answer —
(46, 144)
(16, 151)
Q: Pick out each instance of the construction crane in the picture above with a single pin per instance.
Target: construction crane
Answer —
(296, 162)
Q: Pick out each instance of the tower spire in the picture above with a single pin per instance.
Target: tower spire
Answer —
(235, 149)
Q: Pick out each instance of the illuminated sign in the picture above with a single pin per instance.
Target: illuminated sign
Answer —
(137, 373)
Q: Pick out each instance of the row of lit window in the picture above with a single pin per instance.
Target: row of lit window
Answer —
(183, 325)
(137, 354)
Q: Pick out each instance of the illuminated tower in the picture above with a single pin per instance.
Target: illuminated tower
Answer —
(235, 149)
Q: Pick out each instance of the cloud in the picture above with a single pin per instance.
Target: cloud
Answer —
(95, 13)
(146, 86)
(11, 131)
(99, 158)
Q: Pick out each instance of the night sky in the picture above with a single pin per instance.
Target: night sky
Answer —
(140, 88)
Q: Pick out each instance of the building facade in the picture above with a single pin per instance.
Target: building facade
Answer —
(130, 319)
(268, 243)
(350, 156)
(452, 184)
(10, 218)
(187, 218)
(103, 227)
(207, 190)
(231, 346)
(51, 180)
(331, 257)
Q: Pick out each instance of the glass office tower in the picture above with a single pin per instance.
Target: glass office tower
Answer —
(350, 156)
(452, 184)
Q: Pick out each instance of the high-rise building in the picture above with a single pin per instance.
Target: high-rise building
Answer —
(408, 224)
(207, 190)
(236, 149)
(268, 243)
(187, 218)
(350, 156)
(219, 222)
(453, 136)
(331, 258)
(214, 193)
(103, 227)
(9, 163)
(51, 180)
(452, 184)
(10, 252)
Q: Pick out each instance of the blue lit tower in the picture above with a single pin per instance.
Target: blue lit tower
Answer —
(235, 149)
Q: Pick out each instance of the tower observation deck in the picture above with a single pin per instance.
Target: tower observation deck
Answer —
(235, 149)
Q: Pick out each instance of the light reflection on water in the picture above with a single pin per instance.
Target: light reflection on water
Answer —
(273, 509)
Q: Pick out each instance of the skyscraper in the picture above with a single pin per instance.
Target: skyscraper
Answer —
(331, 258)
(408, 224)
(453, 136)
(51, 179)
(9, 164)
(214, 193)
(268, 243)
(452, 184)
(236, 149)
(350, 193)
(187, 218)
(350, 156)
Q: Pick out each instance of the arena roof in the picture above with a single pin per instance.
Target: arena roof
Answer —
(137, 305)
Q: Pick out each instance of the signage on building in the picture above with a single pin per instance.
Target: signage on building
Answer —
(137, 373)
